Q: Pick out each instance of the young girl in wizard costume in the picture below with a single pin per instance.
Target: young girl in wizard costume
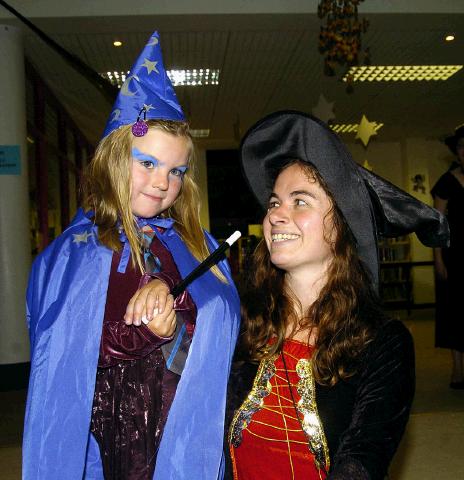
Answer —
(118, 387)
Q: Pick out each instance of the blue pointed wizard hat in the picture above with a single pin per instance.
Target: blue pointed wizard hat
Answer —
(147, 92)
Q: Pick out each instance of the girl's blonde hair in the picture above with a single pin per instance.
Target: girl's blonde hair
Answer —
(107, 193)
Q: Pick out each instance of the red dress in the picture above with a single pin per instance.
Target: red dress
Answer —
(272, 443)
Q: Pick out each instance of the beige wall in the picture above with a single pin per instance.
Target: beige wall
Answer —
(202, 182)
(399, 162)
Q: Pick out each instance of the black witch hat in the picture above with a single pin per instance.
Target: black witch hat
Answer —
(372, 206)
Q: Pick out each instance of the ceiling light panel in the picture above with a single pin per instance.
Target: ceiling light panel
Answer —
(190, 78)
(199, 133)
(401, 73)
(351, 127)
(194, 78)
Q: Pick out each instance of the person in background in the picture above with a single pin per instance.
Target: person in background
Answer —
(323, 380)
(124, 380)
(448, 196)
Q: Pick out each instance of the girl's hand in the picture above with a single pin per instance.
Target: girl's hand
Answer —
(154, 306)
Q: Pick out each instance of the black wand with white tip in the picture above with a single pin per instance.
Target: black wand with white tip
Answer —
(205, 264)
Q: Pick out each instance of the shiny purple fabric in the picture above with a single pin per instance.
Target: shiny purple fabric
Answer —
(134, 390)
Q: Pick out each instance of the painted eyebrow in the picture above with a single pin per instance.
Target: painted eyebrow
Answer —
(182, 168)
(143, 156)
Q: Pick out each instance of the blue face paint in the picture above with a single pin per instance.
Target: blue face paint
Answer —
(150, 162)
(143, 157)
(181, 171)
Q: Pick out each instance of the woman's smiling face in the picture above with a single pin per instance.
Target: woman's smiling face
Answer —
(298, 225)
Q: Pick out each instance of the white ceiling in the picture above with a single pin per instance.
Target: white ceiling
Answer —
(267, 62)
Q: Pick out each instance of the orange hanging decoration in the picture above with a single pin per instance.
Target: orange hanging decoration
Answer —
(340, 39)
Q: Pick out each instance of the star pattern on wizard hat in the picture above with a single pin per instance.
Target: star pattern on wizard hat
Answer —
(147, 92)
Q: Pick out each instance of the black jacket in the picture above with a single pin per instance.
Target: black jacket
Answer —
(363, 417)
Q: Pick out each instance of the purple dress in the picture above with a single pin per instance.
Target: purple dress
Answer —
(134, 390)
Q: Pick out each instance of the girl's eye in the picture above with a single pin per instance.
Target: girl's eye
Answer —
(272, 204)
(147, 164)
(300, 202)
(178, 172)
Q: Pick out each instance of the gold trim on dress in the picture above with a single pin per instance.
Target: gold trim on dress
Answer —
(309, 417)
(254, 402)
(306, 406)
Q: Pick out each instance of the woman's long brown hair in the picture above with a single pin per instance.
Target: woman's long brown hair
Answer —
(345, 314)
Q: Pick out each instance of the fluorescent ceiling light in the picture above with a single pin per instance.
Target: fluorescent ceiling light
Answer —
(199, 133)
(191, 78)
(116, 78)
(402, 73)
(352, 127)
(195, 77)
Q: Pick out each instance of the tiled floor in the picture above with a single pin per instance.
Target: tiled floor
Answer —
(432, 448)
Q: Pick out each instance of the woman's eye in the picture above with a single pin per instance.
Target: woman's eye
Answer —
(272, 204)
(300, 202)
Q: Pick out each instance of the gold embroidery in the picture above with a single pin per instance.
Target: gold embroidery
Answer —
(310, 420)
(254, 402)
(306, 406)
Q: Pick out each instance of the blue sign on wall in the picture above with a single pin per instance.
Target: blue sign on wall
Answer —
(10, 160)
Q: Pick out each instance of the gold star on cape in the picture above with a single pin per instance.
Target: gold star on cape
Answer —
(366, 130)
(149, 65)
(81, 237)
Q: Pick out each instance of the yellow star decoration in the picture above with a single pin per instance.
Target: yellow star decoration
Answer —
(150, 66)
(324, 109)
(366, 130)
(367, 165)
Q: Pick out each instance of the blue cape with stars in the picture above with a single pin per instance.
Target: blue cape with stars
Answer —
(65, 307)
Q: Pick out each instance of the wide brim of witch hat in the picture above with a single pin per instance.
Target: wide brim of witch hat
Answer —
(147, 91)
(371, 205)
(452, 140)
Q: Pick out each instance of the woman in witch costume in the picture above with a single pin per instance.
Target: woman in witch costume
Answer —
(323, 381)
(448, 195)
(116, 393)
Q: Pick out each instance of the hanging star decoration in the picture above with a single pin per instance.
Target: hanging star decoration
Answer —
(367, 165)
(324, 110)
(81, 237)
(366, 130)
